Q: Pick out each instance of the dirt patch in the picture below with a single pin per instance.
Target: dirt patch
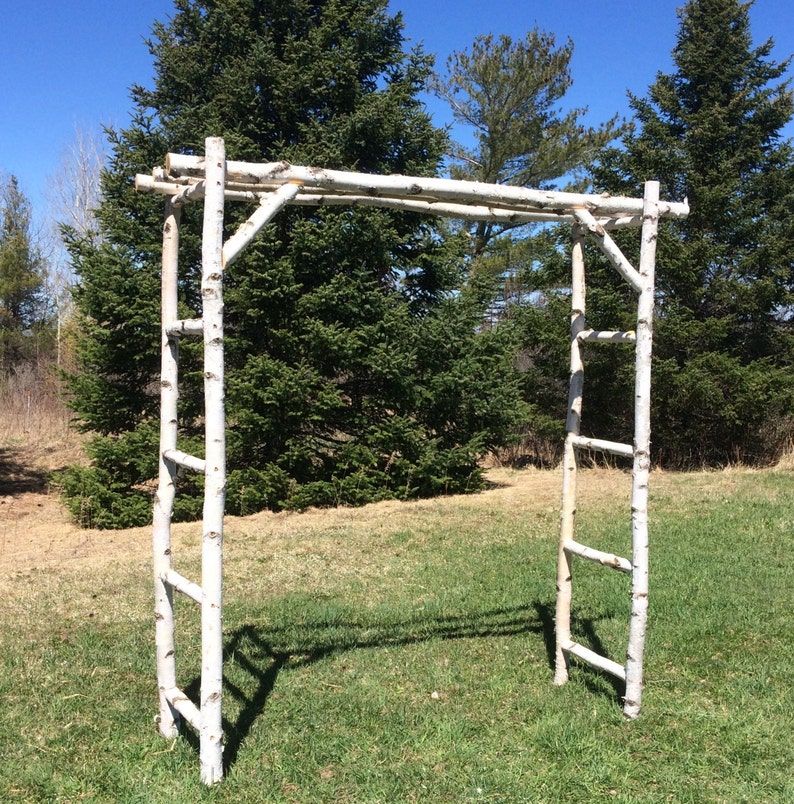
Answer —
(37, 532)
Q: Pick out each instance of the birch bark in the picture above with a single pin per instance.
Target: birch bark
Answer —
(338, 182)
(211, 735)
(562, 621)
(168, 718)
(642, 458)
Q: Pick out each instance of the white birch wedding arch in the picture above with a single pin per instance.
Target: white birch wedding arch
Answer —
(190, 178)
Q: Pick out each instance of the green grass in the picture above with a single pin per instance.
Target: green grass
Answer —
(406, 657)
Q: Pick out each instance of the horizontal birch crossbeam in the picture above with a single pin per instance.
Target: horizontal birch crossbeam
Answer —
(183, 585)
(189, 326)
(183, 459)
(601, 445)
(508, 214)
(595, 660)
(606, 336)
(180, 701)
(598, 556)
(183, 178)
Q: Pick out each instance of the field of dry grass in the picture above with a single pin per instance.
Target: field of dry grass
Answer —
(37, 532)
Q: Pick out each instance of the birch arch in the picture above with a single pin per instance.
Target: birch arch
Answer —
(186, 179)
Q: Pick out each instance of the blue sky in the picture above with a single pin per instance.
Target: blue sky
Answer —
(68, 65)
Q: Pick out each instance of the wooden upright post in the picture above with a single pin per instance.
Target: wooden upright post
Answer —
(642, 457)
(211, 732)
(168, 718)
(570, 457)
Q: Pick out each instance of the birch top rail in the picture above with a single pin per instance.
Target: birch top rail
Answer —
(183, 178)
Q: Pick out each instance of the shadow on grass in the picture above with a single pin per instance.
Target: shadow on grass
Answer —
(595, 679)
(263, 652)
(18, 478)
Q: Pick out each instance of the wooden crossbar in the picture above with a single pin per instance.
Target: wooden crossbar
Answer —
(183, 585)
(188, 326)
(183, 459)
(598, 556)
(601, 445)
(182, 703)
(595, 659)
(607, 336)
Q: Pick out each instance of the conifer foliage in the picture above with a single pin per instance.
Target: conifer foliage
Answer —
(23, 308)
(352, 373)
(711, 131)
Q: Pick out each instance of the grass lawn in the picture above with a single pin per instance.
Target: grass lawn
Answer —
(401, 653)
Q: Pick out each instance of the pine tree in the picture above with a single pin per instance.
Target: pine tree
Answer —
(332, 395)
(23, 312)
(508, 96)
(710, 131)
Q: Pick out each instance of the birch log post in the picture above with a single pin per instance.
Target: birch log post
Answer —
(211, 734)
(642, 458)
(168, 718)
(562, 620)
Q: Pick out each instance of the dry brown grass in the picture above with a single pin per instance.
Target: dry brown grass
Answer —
(35, 439)
(39, 537)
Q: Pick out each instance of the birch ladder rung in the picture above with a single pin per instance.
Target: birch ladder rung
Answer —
(182, 703)
(597, 556)
(595, 659)
(601, 445)
(183, 585)
(183, 459)
(607, 336)
(191, 327)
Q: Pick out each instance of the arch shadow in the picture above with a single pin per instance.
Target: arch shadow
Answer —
(264, 652)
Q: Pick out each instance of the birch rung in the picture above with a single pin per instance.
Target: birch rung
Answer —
(180, 701)
(598, 556)
(183, 459)
(186, 326)
(613, 447)
(183, 585)
(607, 336)
(595, 660)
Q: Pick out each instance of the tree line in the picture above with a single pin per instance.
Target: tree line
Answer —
(376, 354)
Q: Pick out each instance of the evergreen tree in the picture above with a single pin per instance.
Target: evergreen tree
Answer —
(23, 314)
(509, 97)
(332, 393)
(710, 131)
(507, 94)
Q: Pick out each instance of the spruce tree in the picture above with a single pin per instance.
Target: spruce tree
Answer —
(332, 392)
(711, 131)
